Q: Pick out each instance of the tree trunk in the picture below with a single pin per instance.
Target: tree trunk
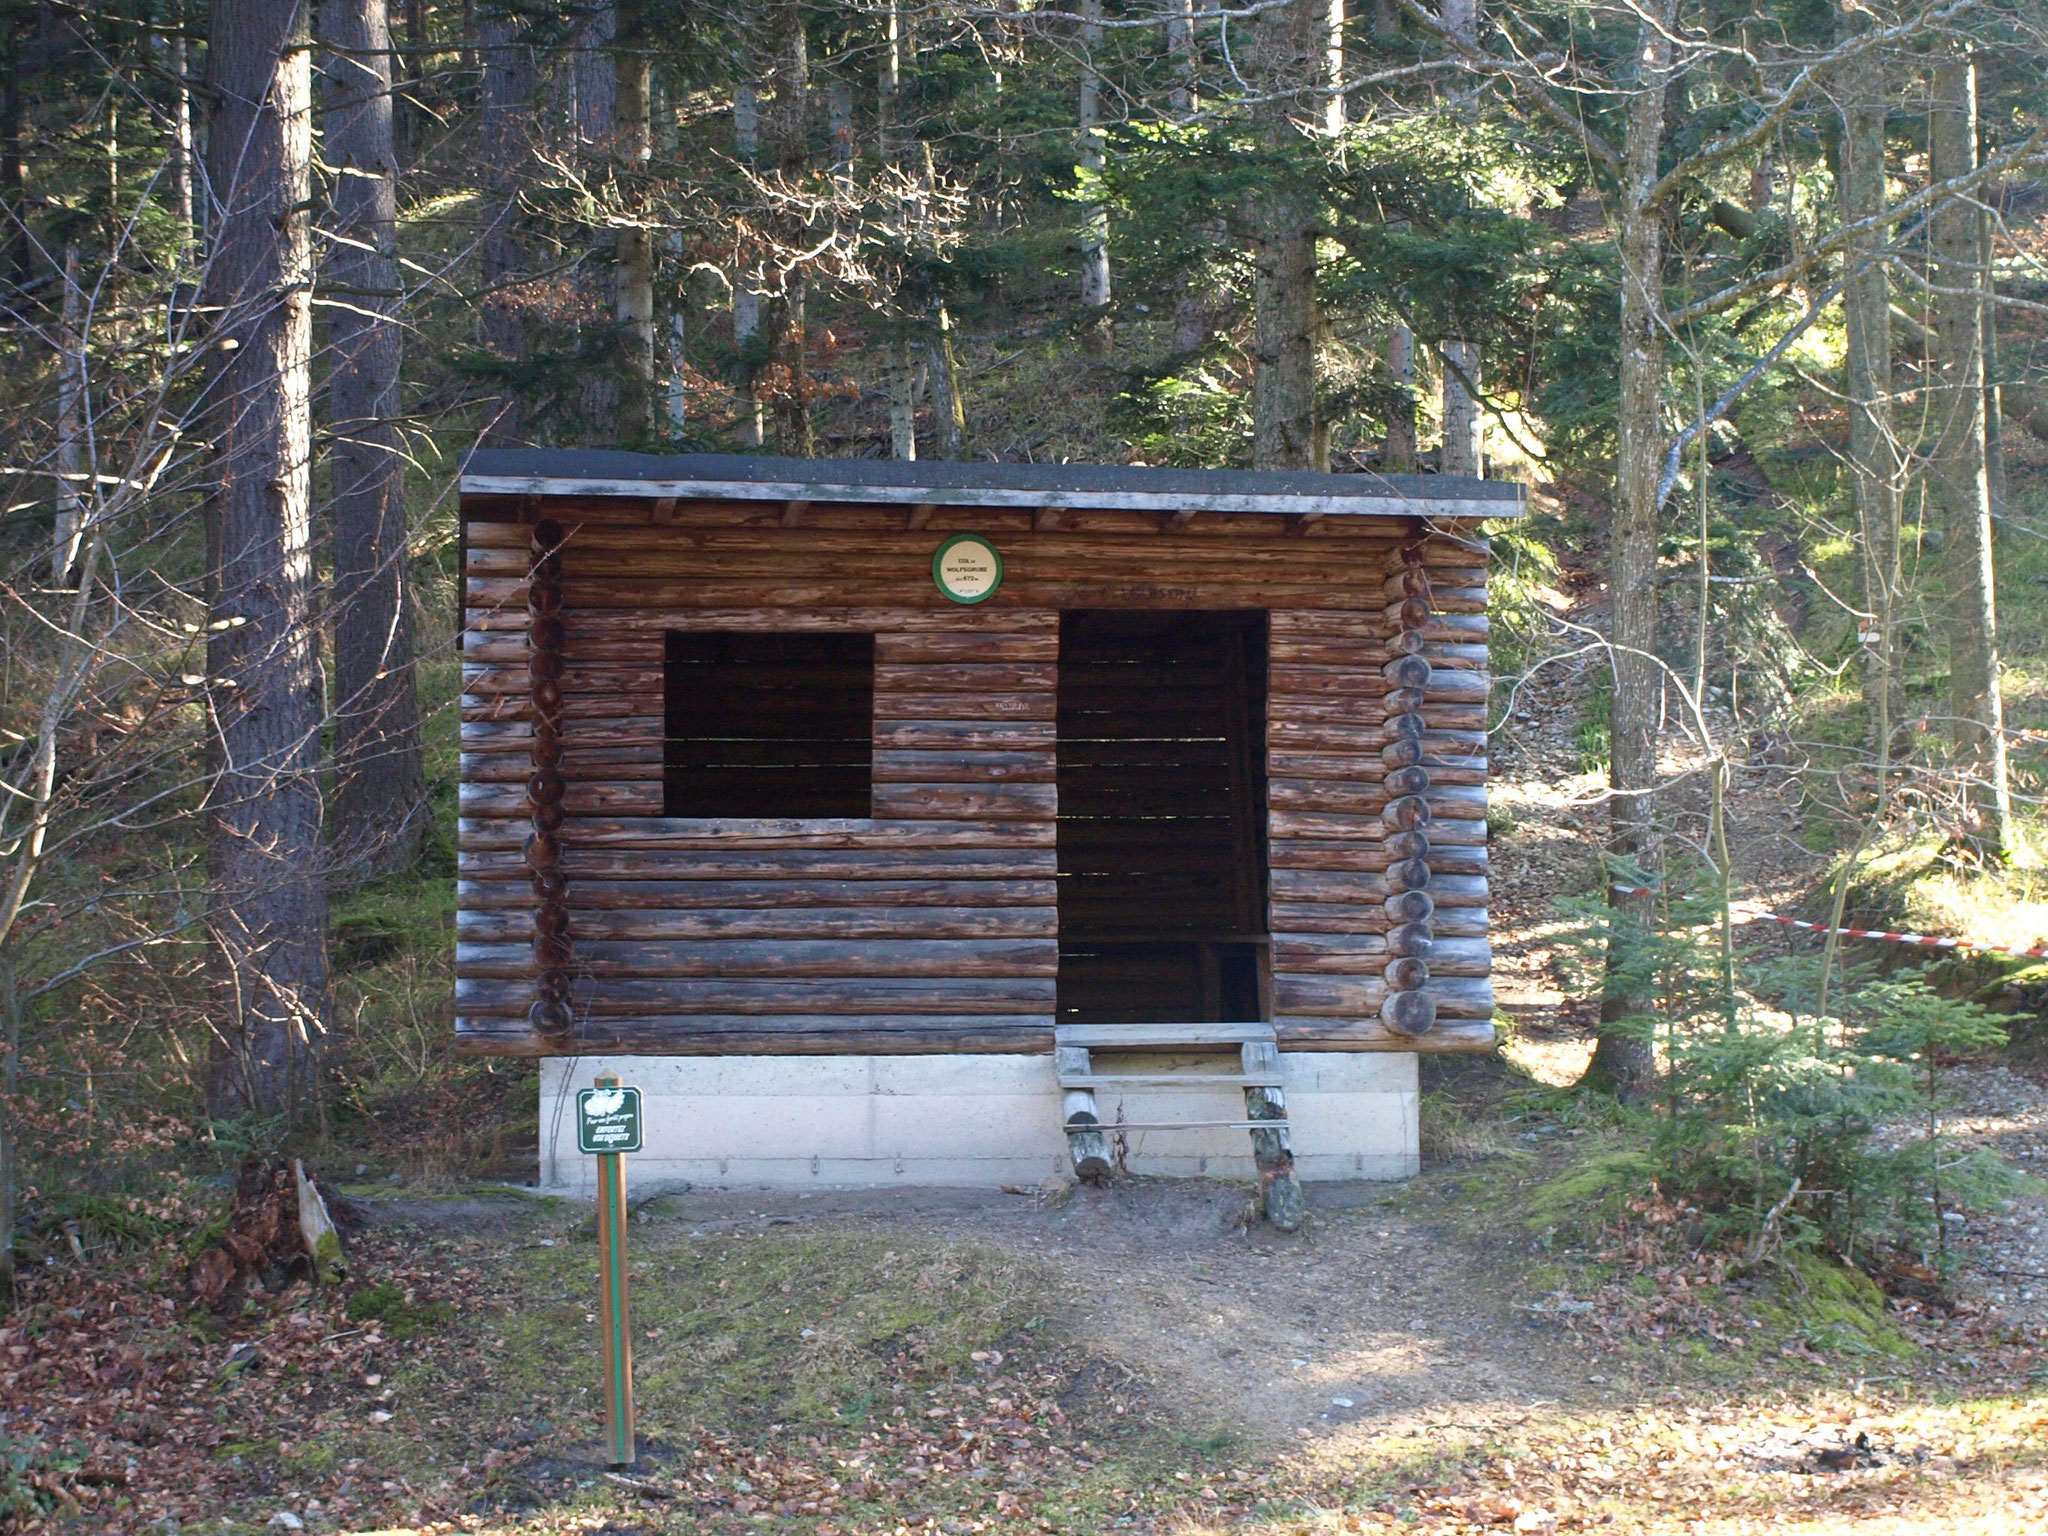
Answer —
(1097, 334)
(746, 289)
(379, 788)
(182, 167)
(267, 908)
(1958, 470)
(1287, 430)
(70, 525)
(1873, 447)
(1464, 442)
(1398, 455)
(504, 129)
(949, 407)
(1464, 428)
(790, 138)
(1180, 47)
(1624, 1059)
(635, 75)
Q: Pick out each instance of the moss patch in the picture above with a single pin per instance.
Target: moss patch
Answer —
(1591, 1193)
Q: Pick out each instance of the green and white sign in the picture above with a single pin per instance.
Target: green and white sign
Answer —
(967, 568)
(608, 1119)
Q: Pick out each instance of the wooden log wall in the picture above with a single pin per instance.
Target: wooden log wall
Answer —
(932, 924)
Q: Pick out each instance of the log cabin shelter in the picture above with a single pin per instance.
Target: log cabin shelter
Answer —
(974, 824)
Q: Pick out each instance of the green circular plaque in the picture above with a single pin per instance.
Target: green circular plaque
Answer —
(967, 568)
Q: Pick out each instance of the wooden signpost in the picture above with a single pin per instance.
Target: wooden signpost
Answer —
(608, 1126)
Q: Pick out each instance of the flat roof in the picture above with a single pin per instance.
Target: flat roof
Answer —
(736, 477)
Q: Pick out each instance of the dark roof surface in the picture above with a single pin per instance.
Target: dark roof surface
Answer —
(566, 472)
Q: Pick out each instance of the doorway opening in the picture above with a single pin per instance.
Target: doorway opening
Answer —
(1162, 818)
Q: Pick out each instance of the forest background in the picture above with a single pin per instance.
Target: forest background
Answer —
(1751, 297)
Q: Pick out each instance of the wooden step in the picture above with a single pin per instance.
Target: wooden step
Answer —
(1159, 1037)
(1171, 1080)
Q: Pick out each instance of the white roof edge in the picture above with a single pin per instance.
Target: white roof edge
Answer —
(1381, 504)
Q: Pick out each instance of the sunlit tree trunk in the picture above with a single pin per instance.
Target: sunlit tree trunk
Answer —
(1464, 427)
(789, 339)
(1958, 469)
(267, 904)
(1623, 1059)
(379, 788)
(746, 292)
(70, 525)
(1873, 445)
(1398, 455)
(1097, 334)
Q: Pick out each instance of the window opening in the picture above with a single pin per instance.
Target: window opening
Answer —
(769, 725)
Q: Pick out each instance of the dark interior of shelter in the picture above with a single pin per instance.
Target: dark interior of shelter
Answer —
(1162, 816)
(769, 725)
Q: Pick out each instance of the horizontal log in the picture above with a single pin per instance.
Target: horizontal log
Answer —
(624, 997)
(726, 834)
(599, 764)
(966, 677)
(971, 802)
(965, 767)
(972, 646)
(793, 896)
(903, 863)
(768, 1034)
(1334, 827)
(892, 922)
(1364, 954)
(1359, 997)
(607, 958)
(1324, 681)
(1317, 882)
(1302, 917)
(947, 619)
(582, 799)
(1447, 1037)
(965, 706)
(964, 735)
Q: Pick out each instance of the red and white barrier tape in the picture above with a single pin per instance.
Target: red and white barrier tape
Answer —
(1749, 911)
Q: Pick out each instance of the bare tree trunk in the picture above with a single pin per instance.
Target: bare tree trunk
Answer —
(70, 526)
(1624, 1059)
(1287, 430)
(267, 909)
(1958, 467)
(182, 167)
(948, 405)
(1873, 445)
(593, 77)
(746, 292)
(1398, 455)
(635, 77)
(1098, 334)
(1180, 47)
(1333, 67)
(504, 128)
(379, 788)
(1464, 451)
(1464, 427)
(791, 139)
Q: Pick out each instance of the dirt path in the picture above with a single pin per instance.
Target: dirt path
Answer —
(1369, 1318)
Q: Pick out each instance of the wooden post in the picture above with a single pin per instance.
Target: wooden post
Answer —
(614, 1320)
(550, 1014)
(1085, 1141)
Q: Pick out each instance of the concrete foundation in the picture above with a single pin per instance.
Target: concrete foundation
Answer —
(863, 1122)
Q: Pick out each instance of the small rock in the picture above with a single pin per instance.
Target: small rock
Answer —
(381, 1416)
(285, 1520)
(394, 1178)
(1340, 1402)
